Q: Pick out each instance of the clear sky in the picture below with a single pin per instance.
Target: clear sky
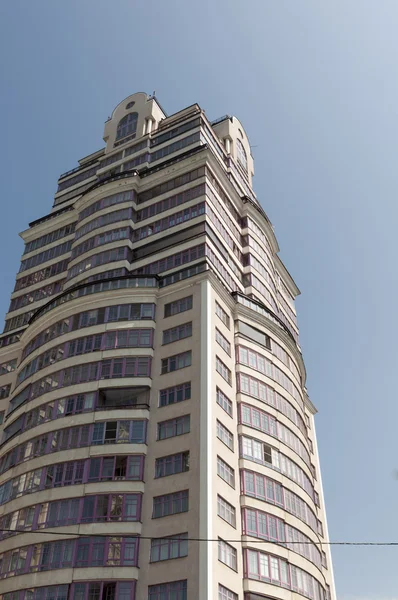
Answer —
(315, 85)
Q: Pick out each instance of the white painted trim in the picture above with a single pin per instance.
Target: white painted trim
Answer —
(206, 450)
(329, 574)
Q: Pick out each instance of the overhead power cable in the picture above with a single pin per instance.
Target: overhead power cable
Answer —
(189, 539)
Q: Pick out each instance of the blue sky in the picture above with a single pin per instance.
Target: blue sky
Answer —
(315, 85)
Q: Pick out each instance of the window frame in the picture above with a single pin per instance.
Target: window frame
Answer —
(170, 395)
(223, 468)
(175, 543)
(173, 427)
(167, 465)
(229, 553)
(225, 435)
(178, 306)
(127, 126)
(223, 508)
(177, 502)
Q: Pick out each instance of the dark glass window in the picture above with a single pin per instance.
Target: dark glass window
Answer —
(127, 126)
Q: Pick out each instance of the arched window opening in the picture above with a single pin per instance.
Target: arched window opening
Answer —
(241, 154)
(127, 126)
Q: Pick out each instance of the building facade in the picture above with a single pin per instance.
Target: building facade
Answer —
(157, 439)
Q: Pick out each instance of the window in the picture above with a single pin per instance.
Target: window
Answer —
(116, 468)
(169, 547)
(220, 264)
(96, 590)
(119, 432)
(81, 176)
(223, 370)
(65, 407)
(102, 258)
(171, 202)
(223, 342)
(253, 417)
(82, 345)
(259, 337)
(173, 260)
(99, 468)
(127, 338)
(227, 554)
(169, 465)
(52, 592)
(172, 133)
(124, 312)
(174, 427)
(72, 473)
(49, 254)
(320, 528)
(241, 154)
(41, 275)
(178, 361)
(8, 367)
(224, 402)
(268, 490)
(171, 184)
(177, 333)
(89, 318)
(80, 436)
(13, 323)
(82, 552)
(179, 145)
(176, 590)
(127, 125)
(256, 388)
(113, 508)
(170, 504)
(5, 391)
(259, 362)
(262, 525)
(226, 511)
(130, 312)
(268, 568)
(175, 394)
(263, 453)
(178, 306)
(128, 367)
(226, 594)
(225, 472)
(272, 569)
(250, 280)
(49, 238)
(106, 551)
(2, 416)
(110, 217)
(258, 419)
(90, 509)
(266, 455)
(221, 314)
(225, 435)
(107, 201)
(183, 274)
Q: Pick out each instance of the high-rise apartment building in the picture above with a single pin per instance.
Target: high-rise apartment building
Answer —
(157, 439)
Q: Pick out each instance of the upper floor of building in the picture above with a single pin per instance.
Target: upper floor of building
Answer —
(139, 134)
